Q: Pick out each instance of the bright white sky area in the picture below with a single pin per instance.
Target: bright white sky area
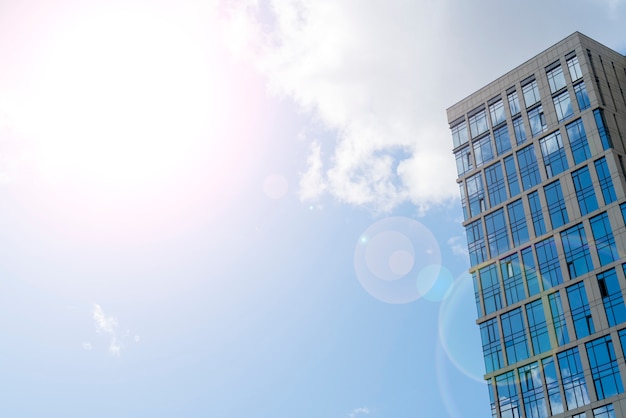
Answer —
(246, 208)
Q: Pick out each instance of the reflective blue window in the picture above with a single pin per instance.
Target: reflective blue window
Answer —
(604, 369)
(478, 123)
(578, 141)
(492, 399)
(490, 288)
(574, 68)
(532, 391)
(503, 142)
(511, 175)
(581, 315)
(553, 154)
(476, 243)
(463, 200)
(558, 319)
(556, 204)
(483, 150)
(612, 298)
(492, 349)
(495, 184)
(602, 130)
(556, 79)
(514, 336)
(463, 160)
(537, 121)
(573, 378)
(528, 167)
(548, 259)
(508, 399)
(459, 134)
(512, 278)
(606, 183)
(531, 93)
(563, 106)
(518, 128)
(538, 327)
(622, 339)
(603, 236)
(514, 106)
(476, 194)
(479, 309)
(517, 220)
(496, 111)
(536, 213)
(497, 235)
(584, 191)
(623, 209)
(581, 96)
(552, 385)
(576, 251)
(530, 273)
(605, 411)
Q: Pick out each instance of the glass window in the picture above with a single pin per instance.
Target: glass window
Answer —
(501, 137)
(623, 209)
(463, 200)
(604, 369)
(479, 309)
(483, 150)
(511, 175)
(573, 378)
(476, 243)
(514, 106)
(508, 398)
(496, 111)
(612, 298)
(537, 121)
(531, 93)
(538, 327)
(581, 96)
(553, 154)
(459, 134)
(548, 259)
(512, 278)
(514, 336)
(563, 106)
(603, 237)
(574, 68)
(556, 79)
(492, 349)
(528, 167)
(604, 133)
(478, 123)
(552, 385)
(576, 250)
(578, 141)
(490, 287)
(497, 236)
(495, 184)
(606, 183)
(558, 319)
(463, 160)
(581, 315)
(520, 133)
(476, 194)
(492, 399)
(532, 391)
(556, 204)
(581, 415)
(605, 411)
(536, 213)
(584, 191)
(517, 220)
(528, 265)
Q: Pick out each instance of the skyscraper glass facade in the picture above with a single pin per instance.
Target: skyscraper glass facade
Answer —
(540, 167)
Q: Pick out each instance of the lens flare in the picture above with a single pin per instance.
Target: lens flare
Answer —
(390, 255)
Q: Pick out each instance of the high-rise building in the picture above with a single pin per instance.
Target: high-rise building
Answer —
(540, 155)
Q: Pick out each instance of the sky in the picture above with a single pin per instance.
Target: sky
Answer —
(246, 208)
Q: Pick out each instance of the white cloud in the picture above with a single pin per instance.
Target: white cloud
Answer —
(87, 346)
(107, 325)
(458, 246)
(380, 76)
(358, 411)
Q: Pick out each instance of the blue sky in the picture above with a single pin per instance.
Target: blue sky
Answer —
(246, 208)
